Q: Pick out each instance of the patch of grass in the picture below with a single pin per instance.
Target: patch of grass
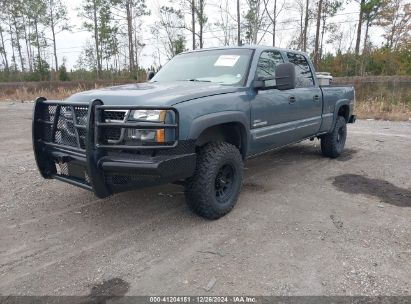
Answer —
(384, 100)
(381, 109)
(24, 94)
(387, 98)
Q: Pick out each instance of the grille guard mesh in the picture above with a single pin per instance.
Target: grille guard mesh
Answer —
(76, 133)
(61, 128)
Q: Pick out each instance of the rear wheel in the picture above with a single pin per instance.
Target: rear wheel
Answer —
(332, 144)
(214, 188)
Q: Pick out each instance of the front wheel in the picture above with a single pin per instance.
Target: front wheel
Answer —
(332, 144)
(214, 188)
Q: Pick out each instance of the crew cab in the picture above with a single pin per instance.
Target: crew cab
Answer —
(195, 122)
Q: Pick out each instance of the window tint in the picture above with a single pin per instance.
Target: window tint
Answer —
(304, 77)
(268, 62)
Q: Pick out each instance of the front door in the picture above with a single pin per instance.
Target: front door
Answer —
(272, 111)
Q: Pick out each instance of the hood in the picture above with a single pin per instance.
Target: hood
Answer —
(153, 93)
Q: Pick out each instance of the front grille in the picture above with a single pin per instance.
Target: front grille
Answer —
(112, 134)
(114, 115)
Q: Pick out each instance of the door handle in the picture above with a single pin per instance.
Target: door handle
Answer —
(316, 98)
(291, 99)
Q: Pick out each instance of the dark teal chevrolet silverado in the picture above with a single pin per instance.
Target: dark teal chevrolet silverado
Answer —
(193, 123)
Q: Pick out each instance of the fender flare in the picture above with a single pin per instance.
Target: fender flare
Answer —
(338, 105)
(201, 123)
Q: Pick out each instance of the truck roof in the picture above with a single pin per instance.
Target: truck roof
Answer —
(251, 47)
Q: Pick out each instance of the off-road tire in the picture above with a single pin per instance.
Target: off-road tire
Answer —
(204, 190)
(332, 144)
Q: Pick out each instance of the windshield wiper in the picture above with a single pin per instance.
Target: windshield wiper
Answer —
(196, 80)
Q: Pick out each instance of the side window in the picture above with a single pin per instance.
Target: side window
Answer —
(267, 63)
(303, 74)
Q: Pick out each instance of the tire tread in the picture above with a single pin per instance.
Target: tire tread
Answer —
(200, 186)
(329, 141)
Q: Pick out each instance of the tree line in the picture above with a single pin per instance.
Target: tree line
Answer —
(29, 31)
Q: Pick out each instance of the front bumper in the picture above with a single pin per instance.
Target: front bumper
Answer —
(76, 150)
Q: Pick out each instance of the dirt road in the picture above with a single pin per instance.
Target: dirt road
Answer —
(304, 225)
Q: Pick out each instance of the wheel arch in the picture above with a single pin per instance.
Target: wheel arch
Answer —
(230, 126)
(344, 111)
(342, 108)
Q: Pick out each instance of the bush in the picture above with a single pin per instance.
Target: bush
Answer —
(63, 75)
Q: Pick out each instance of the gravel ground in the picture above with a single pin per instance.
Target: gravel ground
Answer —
(304, 225)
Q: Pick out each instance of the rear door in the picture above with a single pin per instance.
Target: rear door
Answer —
(305, 99)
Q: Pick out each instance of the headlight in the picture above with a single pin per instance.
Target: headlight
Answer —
(148, 115)
(147, 135)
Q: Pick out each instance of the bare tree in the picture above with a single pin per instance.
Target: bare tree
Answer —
(238, 23)
(306, 22)
(226, 24)
(193, 22)
(202, 20)
(169, 28)
(190, 7)
(359, 28)
(12, 42)
(27, 34)
(2, 39)
(395, 19)
(98, 19)
(131, 11)
(330, 9)
(254, 20)
(3, 50)
(370, 13)
(90, 11)
(298, 39)
(16, 25)
(198, 17)
(57, 18)
(273, 15)
(317, 34)
(36, 13)
(139, 45)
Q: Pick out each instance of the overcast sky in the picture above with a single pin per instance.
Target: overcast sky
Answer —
(70, 44)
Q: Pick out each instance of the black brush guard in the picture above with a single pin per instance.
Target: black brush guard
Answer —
(75, 143)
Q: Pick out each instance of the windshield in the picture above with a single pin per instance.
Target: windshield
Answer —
(227, 67)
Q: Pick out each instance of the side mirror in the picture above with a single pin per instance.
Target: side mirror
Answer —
(285, 76)
(264, 83)
(150, 75)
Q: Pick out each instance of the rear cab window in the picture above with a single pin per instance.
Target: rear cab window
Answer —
(303, 73)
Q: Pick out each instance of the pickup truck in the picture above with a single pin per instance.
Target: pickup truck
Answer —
(193, 123)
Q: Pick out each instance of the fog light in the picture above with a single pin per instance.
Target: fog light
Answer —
(143, 135)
